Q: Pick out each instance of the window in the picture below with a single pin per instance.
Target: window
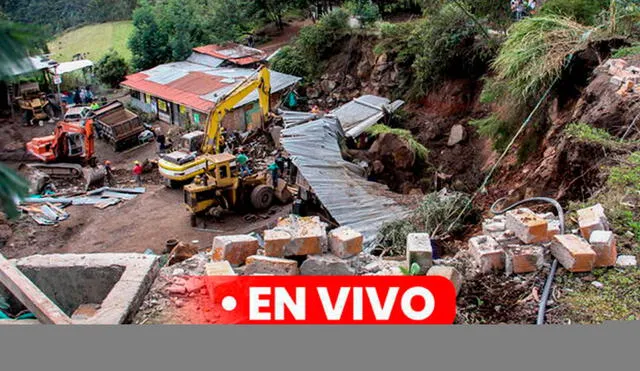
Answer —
(224, 172)
(182, 109)
(135, 94)
(196, 118)
(147, 99)
(162, 105)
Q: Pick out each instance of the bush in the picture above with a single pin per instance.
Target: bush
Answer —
(586, 12)
(314, 42)
(587, 133)
(111, 69)
(434, 215)
(447, 48)
(627, 52)
(364, 10)
(396, 39)
(290, 60)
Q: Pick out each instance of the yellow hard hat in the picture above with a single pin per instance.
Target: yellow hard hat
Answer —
(136, 162)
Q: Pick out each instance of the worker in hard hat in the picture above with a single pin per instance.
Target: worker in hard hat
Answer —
(109, 171)
(137, 173)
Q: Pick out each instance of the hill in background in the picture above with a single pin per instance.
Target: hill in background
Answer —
(94, 40)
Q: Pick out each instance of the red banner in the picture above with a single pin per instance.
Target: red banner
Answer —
(330, 300)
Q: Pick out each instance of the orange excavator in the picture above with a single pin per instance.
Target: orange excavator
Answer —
(70, 142)
(66, 151)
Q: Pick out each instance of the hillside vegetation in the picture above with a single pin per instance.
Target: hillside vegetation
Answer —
(94, 40)
(58, 15)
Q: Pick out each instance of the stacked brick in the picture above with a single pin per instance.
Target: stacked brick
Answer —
(517, 241)
(297, 245)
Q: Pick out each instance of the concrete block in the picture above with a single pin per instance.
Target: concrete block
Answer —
(523, 259)
(219, 268)
(592, 219)
(257, 264)
(506, 238)
(308, 235)
(487, 253)
(419, 250)
(604, 244)
(326, 265)
(491, 227)
(527, 226)
(234, 249)
(344, 242)
(553, 229)
(626, 261)
(573, 253)
(275, 241)
(449, 273)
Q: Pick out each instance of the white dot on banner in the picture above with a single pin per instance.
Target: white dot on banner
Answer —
(229, 303)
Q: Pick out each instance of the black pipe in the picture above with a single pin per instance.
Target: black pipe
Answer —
(542, 308)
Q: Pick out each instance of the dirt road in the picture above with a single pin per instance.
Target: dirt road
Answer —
(145, 222)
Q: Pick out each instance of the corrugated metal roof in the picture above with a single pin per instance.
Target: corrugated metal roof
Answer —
(205, 60)
(28, 65)
(235, 53)
(198, 86)
(363, 112)
(66, 67)
(339, 185)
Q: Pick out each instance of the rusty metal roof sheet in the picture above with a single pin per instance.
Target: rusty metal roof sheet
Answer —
(198, 86)
(339, 185)
(234, 53)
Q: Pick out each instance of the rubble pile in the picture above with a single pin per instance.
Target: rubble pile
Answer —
(623, 76)
(520, 241)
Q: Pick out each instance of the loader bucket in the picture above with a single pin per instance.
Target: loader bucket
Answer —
(94, 176)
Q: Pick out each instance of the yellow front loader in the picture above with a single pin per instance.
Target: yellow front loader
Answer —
(182, 166)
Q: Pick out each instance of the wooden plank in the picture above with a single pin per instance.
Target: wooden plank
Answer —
(30, 295)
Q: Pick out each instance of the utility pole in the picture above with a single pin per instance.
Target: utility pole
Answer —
(57, 80)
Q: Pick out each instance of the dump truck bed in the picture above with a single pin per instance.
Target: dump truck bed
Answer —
(118, 125)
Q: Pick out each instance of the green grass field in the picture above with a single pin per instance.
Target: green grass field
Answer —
(94, 40)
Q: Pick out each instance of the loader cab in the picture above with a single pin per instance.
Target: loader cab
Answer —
(192, 142)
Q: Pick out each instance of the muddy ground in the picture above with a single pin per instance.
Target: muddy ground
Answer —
(145, 222)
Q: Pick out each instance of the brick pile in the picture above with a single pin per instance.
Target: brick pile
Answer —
(518, 241)
(297, 245)
(624, 77)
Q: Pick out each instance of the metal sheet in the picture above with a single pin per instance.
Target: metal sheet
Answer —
(349, 198)
(363, 112)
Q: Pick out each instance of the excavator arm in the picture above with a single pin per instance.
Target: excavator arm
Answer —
(260, 80)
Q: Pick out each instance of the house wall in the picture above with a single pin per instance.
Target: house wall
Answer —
(247, 117)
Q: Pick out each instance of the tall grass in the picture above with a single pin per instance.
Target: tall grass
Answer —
(536, 51)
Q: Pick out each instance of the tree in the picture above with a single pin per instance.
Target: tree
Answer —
(149, 43)
(13, 48)
(112, 68)
(366, 11)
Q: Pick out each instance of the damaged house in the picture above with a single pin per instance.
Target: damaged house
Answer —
(183, 93)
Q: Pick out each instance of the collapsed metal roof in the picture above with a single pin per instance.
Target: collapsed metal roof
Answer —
(363, 112)
(355, 117)
(339, 185)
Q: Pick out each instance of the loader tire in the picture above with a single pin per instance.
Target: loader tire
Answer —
(261, 197)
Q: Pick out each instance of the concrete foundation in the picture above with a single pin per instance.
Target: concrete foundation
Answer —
(114, 283)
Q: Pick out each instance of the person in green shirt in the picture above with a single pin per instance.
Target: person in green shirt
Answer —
(273, 168)
(242, 161)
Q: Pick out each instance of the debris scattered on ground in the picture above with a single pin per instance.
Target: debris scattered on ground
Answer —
(50, 213)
